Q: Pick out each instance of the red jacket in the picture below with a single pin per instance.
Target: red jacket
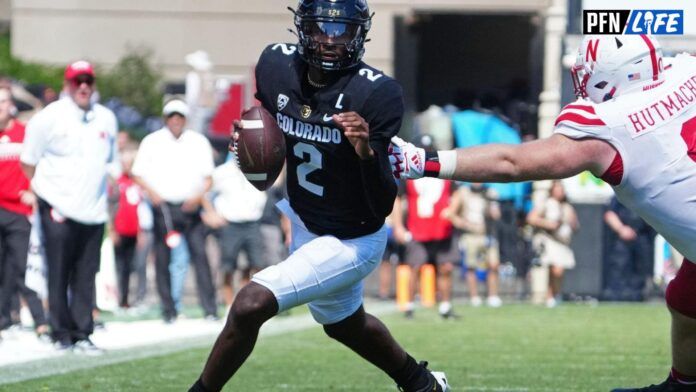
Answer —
(425, 204)
(12, 178)
(129, 197)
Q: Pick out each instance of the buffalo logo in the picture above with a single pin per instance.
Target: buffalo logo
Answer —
(306, 111)
(282, 101)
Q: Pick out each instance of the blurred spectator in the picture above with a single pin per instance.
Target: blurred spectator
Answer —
(469, 211)
(629, 261)
(125, 226)
(16, 204)
(25, 103)
(200, 90)
(275, 226)
(68, 148)
(433, 241)
(555, 221)
(174, 166)
(49, 95)
(236, 211)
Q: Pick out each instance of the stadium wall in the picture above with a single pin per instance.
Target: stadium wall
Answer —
(232, 32)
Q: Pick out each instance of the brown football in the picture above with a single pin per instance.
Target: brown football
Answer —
(260, 147)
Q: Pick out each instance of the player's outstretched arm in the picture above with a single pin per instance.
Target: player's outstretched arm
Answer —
(555, 157)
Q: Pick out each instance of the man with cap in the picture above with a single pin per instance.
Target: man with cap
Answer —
(174, 166)
(68, 147)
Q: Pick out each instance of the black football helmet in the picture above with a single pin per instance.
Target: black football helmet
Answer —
(332, 32)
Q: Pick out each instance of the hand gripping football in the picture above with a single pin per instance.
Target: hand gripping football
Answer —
(260, 147)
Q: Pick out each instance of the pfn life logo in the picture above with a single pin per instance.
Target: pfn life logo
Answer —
(656, 22)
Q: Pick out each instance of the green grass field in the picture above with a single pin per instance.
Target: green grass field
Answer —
(514, 348)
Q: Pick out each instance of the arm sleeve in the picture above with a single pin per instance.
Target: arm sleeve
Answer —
(579, 120)
(35, 139)
(383, 111)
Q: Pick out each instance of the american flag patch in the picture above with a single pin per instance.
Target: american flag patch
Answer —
(634, 76)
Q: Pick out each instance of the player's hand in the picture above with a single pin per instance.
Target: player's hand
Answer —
(155, 199)
(407, 160)
(115, 237)
(234, 136)
(627, 234)
(213, 220)
(192, 204)
(28, 198)
(357, 130)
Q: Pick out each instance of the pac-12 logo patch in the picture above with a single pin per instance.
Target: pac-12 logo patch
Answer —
(305, 111)
(282, 101)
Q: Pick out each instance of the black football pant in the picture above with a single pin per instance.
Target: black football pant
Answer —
(124, 253)
(73, 256)
(15, 230)
(191, 227)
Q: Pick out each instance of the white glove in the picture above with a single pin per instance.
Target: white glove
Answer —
(407, 160)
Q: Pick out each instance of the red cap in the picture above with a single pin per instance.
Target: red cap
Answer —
(78, 68)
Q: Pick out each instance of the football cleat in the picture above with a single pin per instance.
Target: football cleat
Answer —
(669, 385)
(437, 381)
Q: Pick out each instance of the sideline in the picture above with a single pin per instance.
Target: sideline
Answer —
(23, 357)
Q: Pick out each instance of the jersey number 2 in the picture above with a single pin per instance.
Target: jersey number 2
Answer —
(303, 169)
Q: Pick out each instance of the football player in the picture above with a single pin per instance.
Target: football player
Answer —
(338, 115)
(635, 126)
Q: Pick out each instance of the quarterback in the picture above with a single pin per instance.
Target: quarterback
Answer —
(635, 127)
(338, 115)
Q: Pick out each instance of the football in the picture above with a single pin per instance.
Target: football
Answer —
(260, 147)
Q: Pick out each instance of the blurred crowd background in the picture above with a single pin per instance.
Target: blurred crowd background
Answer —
(473, 72)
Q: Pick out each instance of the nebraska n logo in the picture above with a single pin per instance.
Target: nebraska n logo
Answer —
(282, 101)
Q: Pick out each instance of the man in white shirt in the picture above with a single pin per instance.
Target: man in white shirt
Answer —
(67, 150)
(236, 211)
(174, 165)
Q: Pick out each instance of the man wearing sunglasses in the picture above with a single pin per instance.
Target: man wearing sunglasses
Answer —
(338, 115)
(67, 149)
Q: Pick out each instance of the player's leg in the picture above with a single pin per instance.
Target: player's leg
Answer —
(195, 238)
(318, 267)
(446, 253)
(493, 261)
(230, 245)
(681, 301)
(341, 313)
(254, 247)
(253, 306)
(471, 254)
(370, 338)
(416, 256)
(555, 281)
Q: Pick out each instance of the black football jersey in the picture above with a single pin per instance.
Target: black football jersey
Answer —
(329, 187)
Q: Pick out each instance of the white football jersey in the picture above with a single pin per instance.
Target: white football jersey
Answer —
(654, 131)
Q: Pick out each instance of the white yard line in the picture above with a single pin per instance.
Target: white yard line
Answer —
(23, 357)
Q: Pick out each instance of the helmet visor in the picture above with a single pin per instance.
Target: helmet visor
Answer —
(332, 33)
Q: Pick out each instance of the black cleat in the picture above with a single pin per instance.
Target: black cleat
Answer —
(437, 381)
(669, 385)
